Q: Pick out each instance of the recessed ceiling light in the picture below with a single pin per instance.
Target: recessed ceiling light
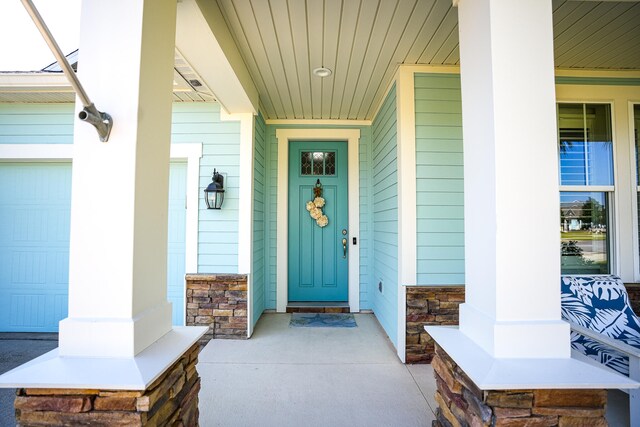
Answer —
(322, 72)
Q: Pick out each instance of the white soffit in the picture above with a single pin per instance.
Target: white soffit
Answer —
(596, 34)
(204, 41)
(53, 87)
(361, 41)
(364, 41)
(36, 81)
(242, 49)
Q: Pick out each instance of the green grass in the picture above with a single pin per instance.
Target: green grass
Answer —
(582, 235)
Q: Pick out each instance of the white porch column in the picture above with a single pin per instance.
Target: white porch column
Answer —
(118, 249)
(407, 212)
(511, 197)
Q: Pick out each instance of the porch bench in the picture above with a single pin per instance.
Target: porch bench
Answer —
(604, 328)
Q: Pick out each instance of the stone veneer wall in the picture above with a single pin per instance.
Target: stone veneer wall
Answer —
(218, 301)
(171, 400)
(633, 289)
(462, 403)
(429, 305)
(438, 305)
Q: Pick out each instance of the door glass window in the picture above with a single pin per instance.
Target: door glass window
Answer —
(329, 163)
(317, 163)
(305, 163)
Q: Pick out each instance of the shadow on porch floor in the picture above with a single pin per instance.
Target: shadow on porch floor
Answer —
(287, 376)
(311, 377)
(297, 376)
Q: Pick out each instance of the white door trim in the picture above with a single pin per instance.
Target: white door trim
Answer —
(352, 136)
(192, 153)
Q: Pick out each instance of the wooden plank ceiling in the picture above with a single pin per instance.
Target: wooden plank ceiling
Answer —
(364, 41)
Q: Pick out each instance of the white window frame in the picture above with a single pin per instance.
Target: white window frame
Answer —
(634, 176)
(612, 227)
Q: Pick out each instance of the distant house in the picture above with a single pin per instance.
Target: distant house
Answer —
(571, 216)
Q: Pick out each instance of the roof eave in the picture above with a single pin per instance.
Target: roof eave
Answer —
(34, 82)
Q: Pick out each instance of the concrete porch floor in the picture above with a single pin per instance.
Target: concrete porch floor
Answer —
(287, 376)
(297, 376)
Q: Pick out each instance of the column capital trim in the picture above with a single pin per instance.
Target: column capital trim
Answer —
(490, 373)
(135, 373)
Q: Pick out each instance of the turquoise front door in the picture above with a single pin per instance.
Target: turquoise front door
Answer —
(318, 255)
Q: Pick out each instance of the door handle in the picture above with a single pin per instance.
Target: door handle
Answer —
(344, 248)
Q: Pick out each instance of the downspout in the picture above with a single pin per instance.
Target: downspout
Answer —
(90, 114)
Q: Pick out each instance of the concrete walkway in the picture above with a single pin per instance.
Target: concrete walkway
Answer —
(309, 377)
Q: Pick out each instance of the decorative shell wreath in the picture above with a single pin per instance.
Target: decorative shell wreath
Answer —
(315, 206)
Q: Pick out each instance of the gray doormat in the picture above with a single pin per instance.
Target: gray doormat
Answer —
(322, 320)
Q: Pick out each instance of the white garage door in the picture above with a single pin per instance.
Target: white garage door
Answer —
(35, 201)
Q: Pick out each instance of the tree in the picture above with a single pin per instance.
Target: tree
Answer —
(593, 212)
(571, 248)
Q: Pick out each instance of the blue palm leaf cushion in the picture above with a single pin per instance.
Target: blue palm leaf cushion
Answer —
(600, 303)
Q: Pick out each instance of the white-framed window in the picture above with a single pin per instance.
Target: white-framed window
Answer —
(636, 138)
(585, 150)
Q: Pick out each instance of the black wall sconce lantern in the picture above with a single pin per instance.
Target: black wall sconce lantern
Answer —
(214, 193)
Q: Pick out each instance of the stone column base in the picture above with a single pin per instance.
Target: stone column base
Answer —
(218, 301)
(462, 403)
(429, 305)
(171, 400)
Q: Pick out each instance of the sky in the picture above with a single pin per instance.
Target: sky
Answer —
(22, 48)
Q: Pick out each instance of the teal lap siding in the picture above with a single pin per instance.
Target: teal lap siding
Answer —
(36, 123)
(440, 185)
(217, 229)
(384, 163)
(259, 181)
